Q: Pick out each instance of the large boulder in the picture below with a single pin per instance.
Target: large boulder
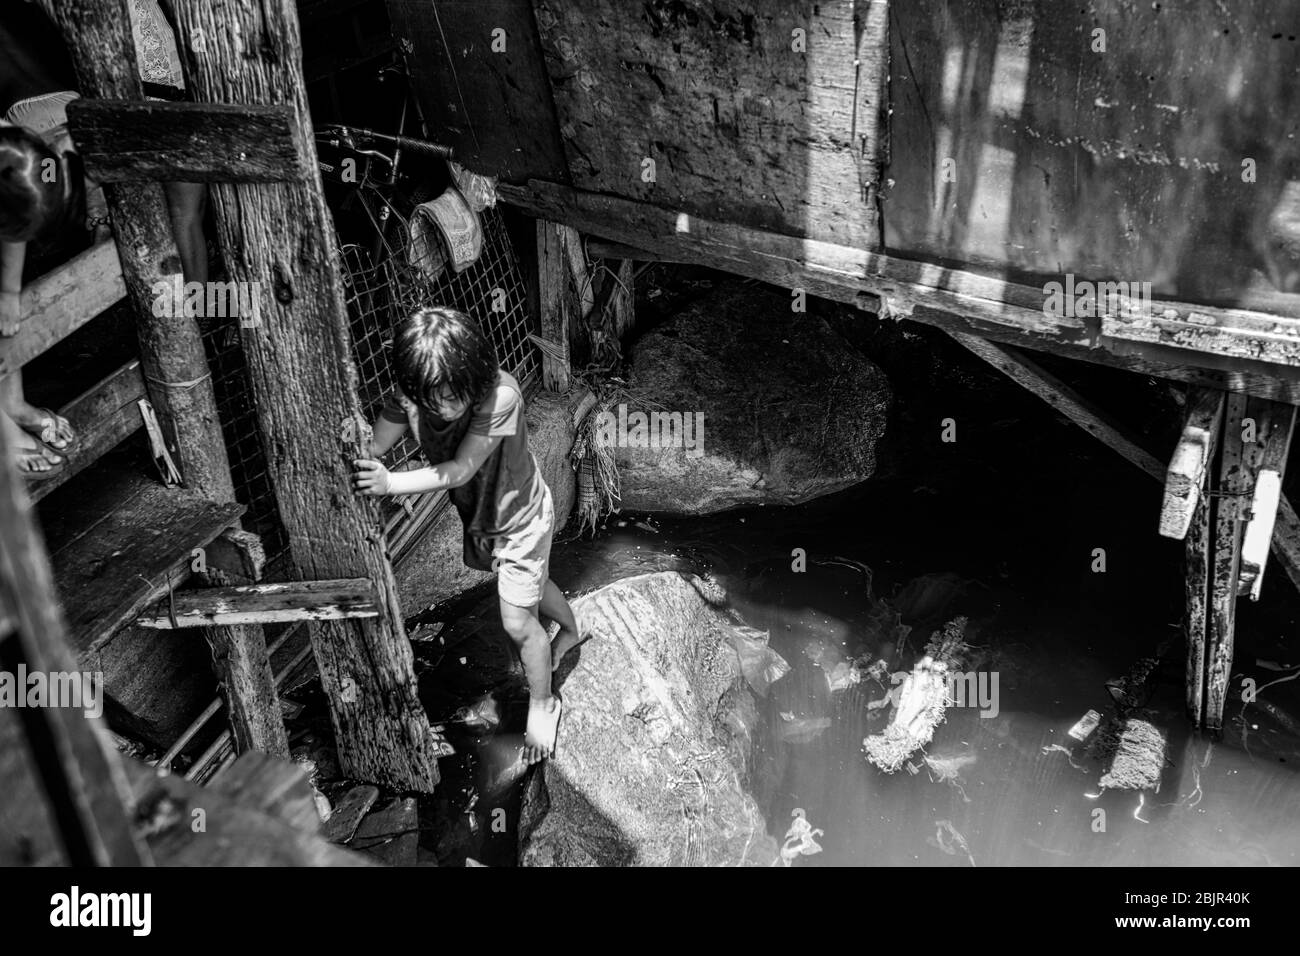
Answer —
(790, 409)
(655, 738)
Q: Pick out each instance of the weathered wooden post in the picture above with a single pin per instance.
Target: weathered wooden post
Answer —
(553, 304)
(82, 775)
(172, 357)
(303, 376)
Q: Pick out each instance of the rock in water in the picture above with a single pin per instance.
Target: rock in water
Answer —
(653, 749)
(790, 409)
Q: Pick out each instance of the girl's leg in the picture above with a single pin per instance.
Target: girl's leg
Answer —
(185, 203)
(556, 607)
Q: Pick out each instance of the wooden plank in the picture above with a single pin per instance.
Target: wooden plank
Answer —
(235, 557)
(745, 119)
(494, 108)
(234, 834)
(99, 38)
(623, 307)
(1266, 498)
(125, 141)
(1196, 584)
(582, 283)
(1232, 349)
(1061, 397)
(605, 249)
(274, 785)
(348, 813)
(390, 834)
(243, 670)
(1226, 564)
(130, 557)
(264, 604)
(554, 302)
(103, 416)
(282, 235)
(79, 769)
(1187, 466)
(62, 301)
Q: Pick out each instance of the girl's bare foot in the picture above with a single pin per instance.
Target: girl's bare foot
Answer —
(543, 725)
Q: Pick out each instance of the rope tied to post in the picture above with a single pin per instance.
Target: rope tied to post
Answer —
(179, 385)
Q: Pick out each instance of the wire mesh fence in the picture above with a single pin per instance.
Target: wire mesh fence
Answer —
(382, 286)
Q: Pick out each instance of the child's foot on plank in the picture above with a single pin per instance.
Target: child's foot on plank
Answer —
(543, 723)
(36, 463)
(47, 427)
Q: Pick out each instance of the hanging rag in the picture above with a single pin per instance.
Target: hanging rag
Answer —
(479, 191)
(442, 226)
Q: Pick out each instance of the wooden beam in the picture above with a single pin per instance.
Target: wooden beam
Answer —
(1061, 397)
(554, 302)
(82, 778)
(605, 249)
(235, 557)
(1189, 462)
(1286, 536)
(103, 416)
(1196, 584)
(127, 141)
(1227, 524)
(242, 665)
(281, 236)
(1266, 497)
(62, 301)
(264, 604)
(582, 283)
(100, 41)
(1226, 348)
(624, 302)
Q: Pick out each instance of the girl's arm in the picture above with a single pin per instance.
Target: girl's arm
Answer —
(386, 434)
(372, 478)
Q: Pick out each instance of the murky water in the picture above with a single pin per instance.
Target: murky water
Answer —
(998, 788)
(1007, 524)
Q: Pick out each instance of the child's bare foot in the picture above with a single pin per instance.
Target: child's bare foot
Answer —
(543, 723)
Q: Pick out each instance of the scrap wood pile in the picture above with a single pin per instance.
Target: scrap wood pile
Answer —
(921, 704)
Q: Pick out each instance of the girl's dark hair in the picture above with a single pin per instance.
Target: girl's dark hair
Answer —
(440, 347)
(33, 193)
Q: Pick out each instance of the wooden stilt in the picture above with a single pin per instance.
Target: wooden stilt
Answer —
(554, 303)
(1197, 585)
(281, 236)
(1225, 566)
(172, 357)
(1191, 460)
(256, 721)
(624, 304)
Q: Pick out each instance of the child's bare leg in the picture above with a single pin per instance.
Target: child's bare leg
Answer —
(526, 631)
(556, 607)
(185, 202)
